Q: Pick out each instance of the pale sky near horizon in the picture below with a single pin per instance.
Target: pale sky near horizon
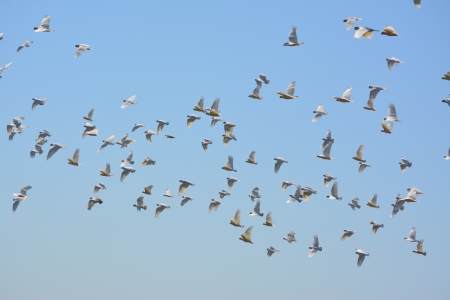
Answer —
(170, 54)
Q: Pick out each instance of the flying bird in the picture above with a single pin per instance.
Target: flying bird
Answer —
(140, 204)
(160, 207)
(42, 135)
(161, 124)
(214, 120)
(257, 209)
(271, 250)
(350, 21)
(148, 161)
(247, 235)
(199, 106)
(227, 137)
(74, 161)
(1, 36)
(326, 139)
(315, 246)
(24, 45)
(37, 148)
(205, 144)
(213, 111)
(90, 130)
(107, 171)
(92, 201)
(251, 158)
(417, 3)
(148, 190)
(13, 132)
(392, 114)
(55, 147)
(297, 195)
(23, 193)
(228, 127)
(327, 178)
(387, 128)
(4, 68)
(191, 119)
(319, 113)
(185, 200)
(228, 166)
(420, 248)
(169, 194)
(411, 236)
(373, 202)
(269, 220)
(223, 193)
(364, 32)
(148, 135)
(184, 185)
(307, 191)
(362, 166)
(125, 172)
(255, 194)
(354, 203)
(45, 25)
(81, 49)
(447, 157)
(263, 78)
(125, 142)
(237, 219)
(231, 181)
(293, 38)
(375, 226)
(359, 154)
(137, 126)
(393, 61)
(108, 142)
(255, 93)
(374, 90)
(286, 184)
(89, 116)
(326, 151)
(279, 162)
(389, 31)
(347, 234)
(128, 160)
(98, 187)
(214, 205)
(334, 192)
(345, 96)
(445, 77)
(361, 256)
(38, 101)
(289, 95)
(290, 237)
(128, 102)
(405, 163)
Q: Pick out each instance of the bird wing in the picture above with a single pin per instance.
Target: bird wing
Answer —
(108, 168)
(298, 191)
(182, 188)
(124, 174)
(24, 190)
(257, 208)
(390, 63)
(158, 211)
(316, 241)
(278, 165)
(372, 95)
(420, 246)
(215, 105)
(374, 229)
(237, 217)
(269, 218)
(200, 103)
(290, 89)
(15, 205)
(252, 156)
(45, 23)
(78, 53)
(248, 233)
(312, 252)
(257, 88)
(52, 151)
(130, 156)
(230, 162)
(334, 189)
(391, 111)
(263, 77)
(140, 201)
(76, 155)
(412, 233)
(347, 93)
(350, 22)
(360, 151)
(293, 36)
(361, 258)
(90, 204)
(345, 236)
(90, 114)
(327, 148)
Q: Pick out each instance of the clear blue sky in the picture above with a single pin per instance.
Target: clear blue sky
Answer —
(170, 54)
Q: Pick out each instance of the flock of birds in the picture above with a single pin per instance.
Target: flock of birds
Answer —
(300, 193)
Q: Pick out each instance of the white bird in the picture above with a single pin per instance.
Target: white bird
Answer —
(375, 226)
(74, 161)
(148, 190)
(315, 246)
(45, 25)
(1, 36)
(125, 172)
(362, 166)
(290, 237)
(231, 181)
(347, 234)
(327, 178)
(89, 116)
(228, 127)
(319, 113)
(191, 119)
(137, 126)
(257, 209)
(361, 256)
(227, 137)
(308, 191)
(107, 171)
(334, 192)
(223, 193)
(125, 142)
(271, 250)
(255, 93)
(391, 61)
(364, 32)
(4, 68)
(214, 120)
(228, 166)
(37, 148)
(389, 31)
(286, 184)
(417, 3)
(392, 114)
(326, 151)
(199, 106)
(184, 185)
(161, 124)
(445, 77)
(412, 194)
(398, 205)
(214, 111)
(214, 205)
(169, 194)
(350, 21)
(18, 130)
(148, 135)
(411, 236)
(297, 195)
(129, 101)
(38, 101)
(205, 144)
(92, 201)
(372, 95)
(293, 38)
(420, 248)
(185, 200)
(415, 190)
(255, 194)
(160, 207)
(55, 147)
(128, 160)
(444, 100)
(447, 157)
(263, 77)
(23, 193)
(269, 222)
(279, 162)
(359, 154)
(247, 235)
(24, 45)
(108, 142)
(289, 95)
(373, 202)
(98, 187)
(237, 219)
(326, 139)
(354, 203)
(405, 163)
(140, 204)
(345, 96)
(90, 130)
(387, 128)
(148, 161)
(81, 49)
(16, 203)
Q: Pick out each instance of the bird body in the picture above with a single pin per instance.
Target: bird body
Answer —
(375, 226)
(213, 111)
(184, 185)
(389, 31)
(326, 151)
(374, 90)
(237, 219)
(298, 194)
(347, 234)
(315, 247)
(128, 160)
(308, 191)
(168, 194)
(93, 200)
(255, 194)
(420, 248)
(293, 38)
(361, 256)
(45, 25)
(251, 158)
(387, 128)
(257, 209)
(148, 190)
(269, 222)
(89, 116)
(81, 49)
(290, 237)
(364, 32)
(108, 142)
(140, 204)
(255, 93)
(411, 236)
(247, 235)
(128, 102)
(148, 161)
(359, 154)
(393, 61)
(392, 114)
(319, 113)
(24, 45)
(74, 161)
(228, 166)
(107, 171)
(405, 163)
(205, 144)
(199, 106)
(38, 101)
(286, 184)
(327, 178)
(345, 96)
(98, 187)
(354, 204)
(289, 95)
(373, 202)
(334, 192)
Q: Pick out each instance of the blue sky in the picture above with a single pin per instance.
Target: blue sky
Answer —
(171, 54)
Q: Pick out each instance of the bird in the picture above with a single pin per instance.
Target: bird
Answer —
(128, 160)
(387, 128)
(191, 119)
(391, 61)
(1, 36)
(411, 236)
(37, 148)
(74, 161)
(247, 235)
(223, 193)
(447, 100)
(23, 193)
(237, 219)
(45, 25)
(361, 256)
(214, 120)
(359, 154)
(98, 187)
(362, 166)
(315, 246)
(228, 166)
(161, 124)
(81, 49)
(185, 200)
(89, 116)
(199, 106)
(347, 234)
(364, 32)
(415, 190)
(214, 111)
(412, 194)
(290, 237)
(350, 21)
(24, 45)
(90, 130)
(148, 161)
(279, 162)
(257, 210)
(398, 205)
(42, 135)
(420, 248)
(286, 184)
(38, 101)
(92, 201)
(392, 114)
(231, 181)
(255, 194)
(255, 93)
(326, 139)
(16, 203)
(293, 38)
(447, 157)
(375, 226)
(126, 142)
(326, 151)
(297, 195)
(184, 185)
(319, 113)
(108, 142)
(445, 77)
(263, 78)
(271, 250)
(269, 220)
(15, 123)
(251, 158)
(354, 203)
(122, 140)
(5, 67)
(405, 163)
(148, 135)
(137, 126)
(327, 178)
(417, 3)
(168, 194)
(227, 137)
(140, 204)
(228, 127)
(345, 96)
(389, 31)
(13, 132)
(214, 205)
(107, 171)
(307, 191)
(374, 90)
(148, 190)
(125, 172)
(373, 202)
(55, 147)
(205, 144)
(334, 192)
(128, 102)
(159, 208)
(289, 95)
